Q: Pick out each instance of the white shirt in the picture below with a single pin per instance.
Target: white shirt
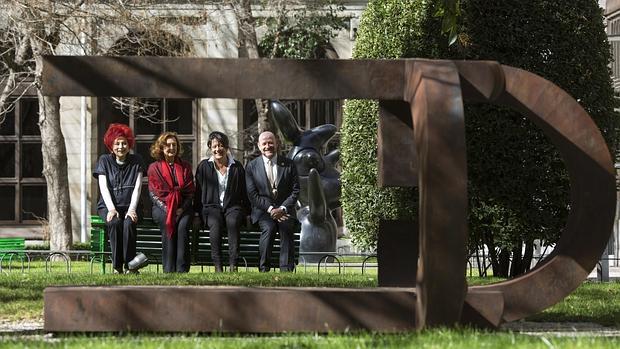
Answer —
(273, 168)
(222, 179)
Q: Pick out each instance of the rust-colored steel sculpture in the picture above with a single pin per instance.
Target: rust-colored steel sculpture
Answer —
(592, 182)
(227, 309)
(421, 103)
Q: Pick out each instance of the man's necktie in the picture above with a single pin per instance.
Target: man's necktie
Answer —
(272, 182)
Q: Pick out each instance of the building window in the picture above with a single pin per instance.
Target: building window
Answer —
(148, 118)
(23, 188)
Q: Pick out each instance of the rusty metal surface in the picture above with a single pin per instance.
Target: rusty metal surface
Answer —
(227, 309)
(434, 94)
(592, 182)
(221, 78)
(395, 136)
(397, 253)
(483, 309)
(435, 91)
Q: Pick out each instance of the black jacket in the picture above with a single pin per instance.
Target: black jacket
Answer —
(207, 188)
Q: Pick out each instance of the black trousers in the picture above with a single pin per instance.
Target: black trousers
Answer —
(216, 219)
(269, 229)
(175, 255)
(122, 233)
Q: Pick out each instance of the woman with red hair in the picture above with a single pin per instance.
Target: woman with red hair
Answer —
(171, 188)
(120, 182)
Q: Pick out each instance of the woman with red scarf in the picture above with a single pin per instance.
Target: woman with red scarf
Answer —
(171, 188)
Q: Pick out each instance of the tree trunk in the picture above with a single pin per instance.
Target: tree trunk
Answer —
(249, 41)
(54, 158)
(55, 172)
(493, 254)
(516, 267)
(503, 261)
(528, 255)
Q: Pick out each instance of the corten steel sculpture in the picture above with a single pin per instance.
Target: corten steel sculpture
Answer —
(319, 182)
(421, 104)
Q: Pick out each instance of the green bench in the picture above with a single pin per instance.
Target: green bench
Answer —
(149, 242)
(11, 244)
(14, 245)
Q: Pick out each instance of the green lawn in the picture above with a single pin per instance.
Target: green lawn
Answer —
(21, 299)
(427, 339)
(21, 294)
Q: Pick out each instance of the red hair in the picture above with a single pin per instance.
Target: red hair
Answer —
(115, 131)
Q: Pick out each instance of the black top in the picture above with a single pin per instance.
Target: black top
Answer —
(208, 192)
(121, 179)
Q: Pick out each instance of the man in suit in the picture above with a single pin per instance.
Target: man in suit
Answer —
(273, 187)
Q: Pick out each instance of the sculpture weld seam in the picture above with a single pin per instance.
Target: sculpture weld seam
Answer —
(318, 179)
(429, 97)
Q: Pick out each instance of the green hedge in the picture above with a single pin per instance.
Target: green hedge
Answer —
(518, 187)
(388, 29)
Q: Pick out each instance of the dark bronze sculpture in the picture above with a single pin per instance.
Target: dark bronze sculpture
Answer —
(421, 120)
(320, 189)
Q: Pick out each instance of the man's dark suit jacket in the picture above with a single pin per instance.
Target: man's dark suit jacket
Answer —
(259, 191)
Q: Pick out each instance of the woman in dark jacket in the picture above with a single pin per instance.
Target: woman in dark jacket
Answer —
(120, 182)
(221, 198)
(171, 188)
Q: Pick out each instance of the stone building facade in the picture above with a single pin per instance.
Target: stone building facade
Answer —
(85, 119)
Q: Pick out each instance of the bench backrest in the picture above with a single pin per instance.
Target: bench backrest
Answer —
(12, 244)
(148, 238)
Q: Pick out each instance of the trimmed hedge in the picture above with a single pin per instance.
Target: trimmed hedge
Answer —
(518, 186)
(388, 29)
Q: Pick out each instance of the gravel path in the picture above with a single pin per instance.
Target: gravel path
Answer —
(560, 329)
(21, 327)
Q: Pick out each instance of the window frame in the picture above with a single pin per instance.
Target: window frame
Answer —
(18, 181)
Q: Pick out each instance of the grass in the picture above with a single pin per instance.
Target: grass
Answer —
(21, 299)
(427, 339)
(591, 302)
(21, 294)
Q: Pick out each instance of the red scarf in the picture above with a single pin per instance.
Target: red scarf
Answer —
(163, 187)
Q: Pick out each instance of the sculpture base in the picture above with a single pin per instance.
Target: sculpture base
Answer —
(227, 309)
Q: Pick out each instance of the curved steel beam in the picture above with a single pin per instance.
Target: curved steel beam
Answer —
(592, 181)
